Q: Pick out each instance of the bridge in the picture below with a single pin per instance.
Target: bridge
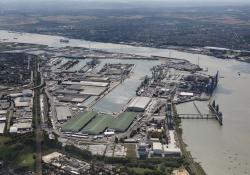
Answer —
(197, 116)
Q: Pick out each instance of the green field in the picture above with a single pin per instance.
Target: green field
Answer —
(16, 153)
(25, 158)
(77, 123)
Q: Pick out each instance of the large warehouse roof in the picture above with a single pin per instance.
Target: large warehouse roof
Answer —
(93, 90)
(86, 83)
(98, 124)
(138, 103)
(123, 121)
(77, 123)
(101, 122)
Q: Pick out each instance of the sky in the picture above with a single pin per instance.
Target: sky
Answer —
(111, 4)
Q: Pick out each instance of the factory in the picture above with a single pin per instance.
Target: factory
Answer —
(138, 104)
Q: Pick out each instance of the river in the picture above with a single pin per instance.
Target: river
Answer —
(222, 150)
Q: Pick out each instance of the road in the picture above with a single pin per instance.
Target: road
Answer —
(38, 131)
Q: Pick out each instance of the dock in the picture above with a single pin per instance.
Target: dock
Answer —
(215, 114)
(215, 110)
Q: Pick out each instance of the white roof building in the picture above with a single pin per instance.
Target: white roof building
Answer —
(23, 126)
(2, 126)
(62, 113)
(13, 129)
(186, 94)
(139, 104)
(157, 148)
(3, 112)
(20, 103)
(86, 83)
(171, 148)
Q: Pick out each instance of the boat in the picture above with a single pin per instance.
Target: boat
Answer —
(64, 40)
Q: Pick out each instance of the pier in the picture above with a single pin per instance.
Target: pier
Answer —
(215, 114)
(215, 110)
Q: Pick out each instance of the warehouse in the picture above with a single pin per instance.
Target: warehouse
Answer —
(93, 90)
(123, 121)
(86, 83)
(138, 104)
(23, 127)
(73, 99)
(77, 123)
(21, 102)
(98, 124)
(94, 83)
(62, 113)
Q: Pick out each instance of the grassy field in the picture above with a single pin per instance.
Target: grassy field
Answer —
(25, 159)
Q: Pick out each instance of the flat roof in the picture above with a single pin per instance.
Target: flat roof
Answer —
(157, 146)
(139, 102)
(86, 83)
(75, 124)
(2, 112)
(98, 124)
(93, 90)
(94, 83)
(27, 125)
(62, 113)
(2, 126)
(123, 121)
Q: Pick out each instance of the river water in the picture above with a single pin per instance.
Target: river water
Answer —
(222, 150)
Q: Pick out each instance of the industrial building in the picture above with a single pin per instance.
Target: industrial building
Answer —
(62, 113)
(98, 124)
(157, 148)
(76, 123)
(103, 121)
(21, 127)
(122, 122)
(93, 90)
(21, 102)
(138, 104)
(86, 83)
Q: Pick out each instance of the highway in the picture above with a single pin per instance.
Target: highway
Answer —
(38, 131)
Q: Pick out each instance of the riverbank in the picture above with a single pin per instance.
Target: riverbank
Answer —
(192, 166)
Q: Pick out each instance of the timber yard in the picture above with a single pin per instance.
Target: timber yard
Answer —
(65, 86)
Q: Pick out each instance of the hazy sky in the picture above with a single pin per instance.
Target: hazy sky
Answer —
(112, 4)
